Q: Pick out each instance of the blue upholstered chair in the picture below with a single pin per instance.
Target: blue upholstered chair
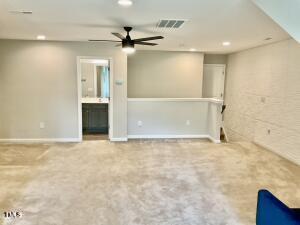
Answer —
(271, 211)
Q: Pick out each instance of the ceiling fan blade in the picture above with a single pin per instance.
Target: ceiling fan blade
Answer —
(119, 35)
(145, 43)
(104, 40)
(149, 38)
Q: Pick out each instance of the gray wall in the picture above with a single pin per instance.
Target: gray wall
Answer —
(165, 74)
(215, 59)
(263, 97)
(169, 118)
(38, 83)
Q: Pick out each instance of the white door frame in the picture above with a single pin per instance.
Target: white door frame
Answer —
(79, 94)
(224, 75)
(95, 80)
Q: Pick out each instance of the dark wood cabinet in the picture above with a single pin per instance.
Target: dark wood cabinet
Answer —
(94, 118)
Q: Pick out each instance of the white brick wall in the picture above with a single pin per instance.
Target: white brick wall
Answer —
(262, 94)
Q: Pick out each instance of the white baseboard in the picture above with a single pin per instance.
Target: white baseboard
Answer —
(163, 136)
(216, 141)
(40, 140)
(123, 139)
(119, 139)
(200, 136)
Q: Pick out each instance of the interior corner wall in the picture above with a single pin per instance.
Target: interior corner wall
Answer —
(263, 97)
(38, 83)
(163, 74)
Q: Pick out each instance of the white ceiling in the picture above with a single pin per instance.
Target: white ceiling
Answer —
(285, 13)
(210, 22)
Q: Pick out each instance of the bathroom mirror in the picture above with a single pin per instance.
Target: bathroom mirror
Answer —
(95, 78)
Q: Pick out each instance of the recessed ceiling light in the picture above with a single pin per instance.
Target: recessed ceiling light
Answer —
(193, 50)
(41, 37)
(125, 2)
(226, 43)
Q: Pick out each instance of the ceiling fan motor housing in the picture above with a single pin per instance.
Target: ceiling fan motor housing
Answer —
(127, 43)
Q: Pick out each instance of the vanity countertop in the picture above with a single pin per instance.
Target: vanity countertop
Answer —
(94, 100)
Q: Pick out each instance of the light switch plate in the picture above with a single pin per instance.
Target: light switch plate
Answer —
(140, 123)
(42, 125)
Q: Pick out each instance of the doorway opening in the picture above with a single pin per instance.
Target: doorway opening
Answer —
(94, 98)
(213, 87)
(214, 81)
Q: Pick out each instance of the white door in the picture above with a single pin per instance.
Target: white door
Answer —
(213, 81)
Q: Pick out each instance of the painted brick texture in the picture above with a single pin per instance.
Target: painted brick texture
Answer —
(263, 97)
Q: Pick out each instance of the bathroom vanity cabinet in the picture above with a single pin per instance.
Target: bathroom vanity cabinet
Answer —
(95, 118)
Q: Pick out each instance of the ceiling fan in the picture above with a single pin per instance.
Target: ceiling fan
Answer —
(128, 44)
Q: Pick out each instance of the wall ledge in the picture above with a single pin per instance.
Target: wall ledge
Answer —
(213, 100)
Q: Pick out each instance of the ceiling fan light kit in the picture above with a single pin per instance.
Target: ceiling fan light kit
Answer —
(128, 44)
(128, 50)
(125, 3)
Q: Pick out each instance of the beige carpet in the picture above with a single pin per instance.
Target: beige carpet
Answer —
(95, 137)
(141, 182)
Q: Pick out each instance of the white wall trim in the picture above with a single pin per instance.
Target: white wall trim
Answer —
(214, 140)
(175, 136)
(95, 81)
(122, 139)
(111, 98)
(213, 100)
(79, 96)
(167, 136)
(40, 140)
(119, 139)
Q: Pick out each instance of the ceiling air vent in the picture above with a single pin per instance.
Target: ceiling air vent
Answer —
(170, 24)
